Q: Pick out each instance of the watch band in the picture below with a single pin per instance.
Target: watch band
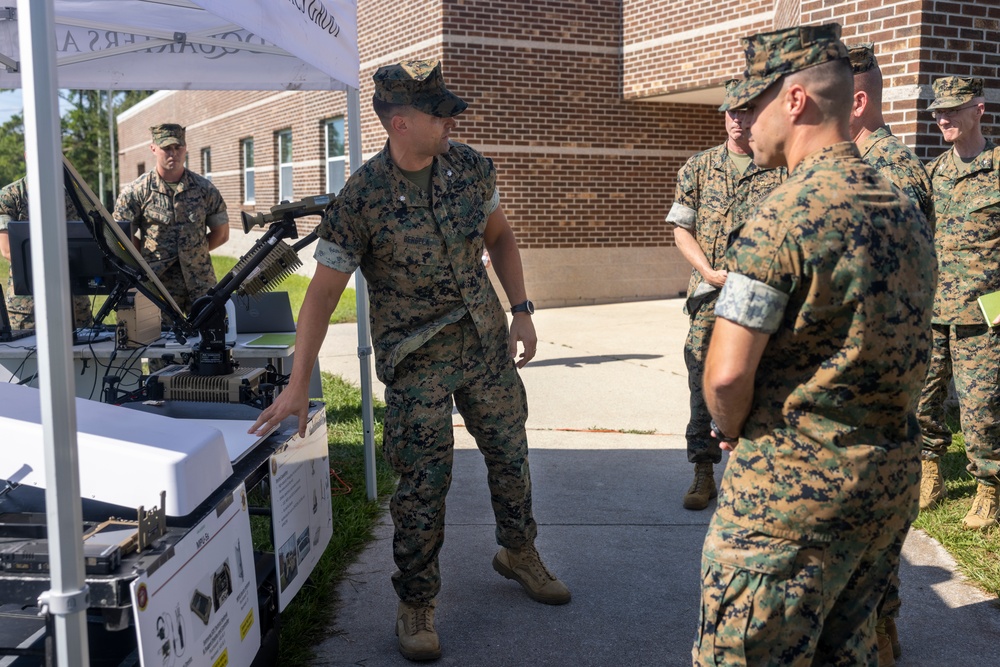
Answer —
(524, 307)
(718, 432)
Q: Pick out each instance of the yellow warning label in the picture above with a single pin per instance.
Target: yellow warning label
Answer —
(246, 625)
(222, 660)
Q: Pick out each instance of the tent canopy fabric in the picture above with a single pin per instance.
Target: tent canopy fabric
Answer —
(196, 45)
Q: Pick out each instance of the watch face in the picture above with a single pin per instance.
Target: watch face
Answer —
(530, 307)
(526, 307)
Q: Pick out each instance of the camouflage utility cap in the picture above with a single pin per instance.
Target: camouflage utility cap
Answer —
(731, 86)
(168, 134)
(418, 84)
(954, 91)
(862, 57)
(772, 55)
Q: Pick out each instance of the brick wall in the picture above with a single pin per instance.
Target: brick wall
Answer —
(679, 45)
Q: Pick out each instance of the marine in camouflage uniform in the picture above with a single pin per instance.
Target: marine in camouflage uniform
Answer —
(21, 309)
(895, 161)
(713, 198)
(177, 221)
(439, 331)
(966, 182)
(416, 218)
(820, 348)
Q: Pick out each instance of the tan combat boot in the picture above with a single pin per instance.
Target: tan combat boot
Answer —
(984, 508)
(418, 640)
(890, 629)
(885, 633)
(526, 568)
(932, 489)
(702, 489)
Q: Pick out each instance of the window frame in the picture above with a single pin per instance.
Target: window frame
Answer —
(249, 171)
(286, 170)
(206, 162)
(335, 162)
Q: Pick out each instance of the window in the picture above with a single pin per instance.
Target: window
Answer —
(285, 165)
(335, 159)
(141, 168)
(248, 171)
(206, 163)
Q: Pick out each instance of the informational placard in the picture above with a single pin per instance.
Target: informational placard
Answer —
(300, 506)
(198, 604)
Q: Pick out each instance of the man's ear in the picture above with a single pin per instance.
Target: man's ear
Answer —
(859, 104)
(795, 98)
(398, 123)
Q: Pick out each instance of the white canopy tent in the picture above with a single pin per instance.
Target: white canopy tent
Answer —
(146, 44)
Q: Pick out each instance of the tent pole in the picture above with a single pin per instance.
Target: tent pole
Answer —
(112, 148)
(67, 601)
(361, 296)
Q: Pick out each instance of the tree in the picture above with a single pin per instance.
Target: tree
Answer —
(12, 150)
(85, 135)
(85, 138)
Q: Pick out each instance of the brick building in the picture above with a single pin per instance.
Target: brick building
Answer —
(587, 107)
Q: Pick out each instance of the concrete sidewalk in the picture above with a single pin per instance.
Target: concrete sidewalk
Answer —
(608, 403)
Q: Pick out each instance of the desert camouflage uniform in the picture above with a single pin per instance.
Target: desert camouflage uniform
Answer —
(895, 161)
(967, 237)
(439, 334)
(21, 309)
(172, 226)
(838, 268)
(712, 201)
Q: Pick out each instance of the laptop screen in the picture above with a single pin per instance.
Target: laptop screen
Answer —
(267, 312)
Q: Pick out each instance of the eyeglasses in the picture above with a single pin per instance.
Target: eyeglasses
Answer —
(948, 113)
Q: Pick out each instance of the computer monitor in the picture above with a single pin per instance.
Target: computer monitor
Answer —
(90, 270)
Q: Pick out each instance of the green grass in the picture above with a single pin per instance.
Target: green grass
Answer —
(974, 551)
(296, 286)
(308, 617)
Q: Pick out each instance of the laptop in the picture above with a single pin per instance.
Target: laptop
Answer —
(267, 312)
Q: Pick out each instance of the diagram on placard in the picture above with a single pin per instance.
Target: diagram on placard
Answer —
(170, 633)
(200, 604)
(239, 562)
(222, 585)
(288, 562)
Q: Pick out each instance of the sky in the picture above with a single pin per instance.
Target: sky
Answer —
(10, 104)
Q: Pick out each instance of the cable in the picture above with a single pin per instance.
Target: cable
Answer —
(342, 488)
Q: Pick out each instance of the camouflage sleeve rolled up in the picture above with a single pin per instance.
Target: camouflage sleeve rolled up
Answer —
(334, 257)
(343, 236)
(493, 203)
(215, 206)
(684, 211)
(128, 206)
(682, 216)
(751, 303)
